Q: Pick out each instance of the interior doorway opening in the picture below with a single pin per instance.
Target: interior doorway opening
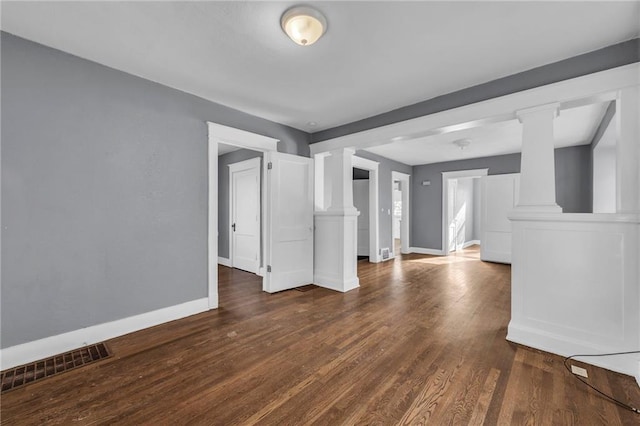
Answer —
(461, 203)
(400, 225)
(361, 203)
(240, 208)
(229, 146)
(464, 213)
(396, 217)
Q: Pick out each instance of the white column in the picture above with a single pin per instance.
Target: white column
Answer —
(320, 181)
(340, 166)
(537, 170)
(627, 151)
(336, 229)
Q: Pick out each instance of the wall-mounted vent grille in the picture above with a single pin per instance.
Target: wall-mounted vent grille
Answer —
(386, 253)
(29, 373)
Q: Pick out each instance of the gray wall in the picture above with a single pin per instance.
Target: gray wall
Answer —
(385, 193)
(104, 191)
(574, 181)
(224, 196)
(573, 188)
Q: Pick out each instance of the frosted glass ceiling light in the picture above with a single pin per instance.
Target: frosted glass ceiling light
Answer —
(462, 143)
(303, 25)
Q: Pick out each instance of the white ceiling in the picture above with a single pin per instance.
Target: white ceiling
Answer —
(375, 56)
(575, 126)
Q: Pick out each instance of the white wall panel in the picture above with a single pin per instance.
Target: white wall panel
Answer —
(575, 286)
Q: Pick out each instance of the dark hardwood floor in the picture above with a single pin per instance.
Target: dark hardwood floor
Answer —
(421, 341)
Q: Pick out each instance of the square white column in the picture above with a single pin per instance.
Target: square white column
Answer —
(340, 168)
(537, 170)
(627, 151)
(336, 228)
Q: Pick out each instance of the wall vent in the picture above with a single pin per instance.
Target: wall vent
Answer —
(386, 253)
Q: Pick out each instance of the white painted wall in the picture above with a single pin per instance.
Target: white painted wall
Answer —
(575, 286)
(604, 172)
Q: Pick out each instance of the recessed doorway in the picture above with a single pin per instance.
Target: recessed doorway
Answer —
(400, 187)
(461, 200)
(361, 203)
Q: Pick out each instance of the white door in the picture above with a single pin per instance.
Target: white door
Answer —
(361, 202)
(245, 215)
(289, 240)
(499, 197)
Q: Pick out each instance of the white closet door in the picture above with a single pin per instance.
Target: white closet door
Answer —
(499, 198)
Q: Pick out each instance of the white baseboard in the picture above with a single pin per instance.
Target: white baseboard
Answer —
(471, 243)
(43, 348)
(421, 250)
(224, 261)
(560, 345)
(335, 284)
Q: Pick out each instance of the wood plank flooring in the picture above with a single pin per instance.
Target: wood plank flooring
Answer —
(422, 341)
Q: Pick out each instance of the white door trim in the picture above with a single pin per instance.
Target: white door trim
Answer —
(445, 199)
(405, 224)
(250, 164)
(236, 137)
(374, 215)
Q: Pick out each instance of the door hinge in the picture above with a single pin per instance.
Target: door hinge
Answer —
(269, 165)
(268, 268)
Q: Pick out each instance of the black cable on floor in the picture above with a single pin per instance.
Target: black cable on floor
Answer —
(620, 403)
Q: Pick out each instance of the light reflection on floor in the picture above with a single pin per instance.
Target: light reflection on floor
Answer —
(470, 254)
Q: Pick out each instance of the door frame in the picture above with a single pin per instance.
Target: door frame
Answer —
(446, 176)
(250, 164)
(218, 133)
(405, 189)
(374, 215)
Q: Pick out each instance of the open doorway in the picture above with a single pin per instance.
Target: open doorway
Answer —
(464, 213)
(361, 203)
(287, 212)
(368, 221)
(396, 217)
(400, 212)
(461, 203)
(240, 208)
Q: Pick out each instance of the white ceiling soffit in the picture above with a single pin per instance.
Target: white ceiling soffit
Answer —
(575, 126)
(375, 56)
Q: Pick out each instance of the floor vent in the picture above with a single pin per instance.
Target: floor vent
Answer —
(38, 370)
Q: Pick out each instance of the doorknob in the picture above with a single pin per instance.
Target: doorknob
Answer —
(233, 227)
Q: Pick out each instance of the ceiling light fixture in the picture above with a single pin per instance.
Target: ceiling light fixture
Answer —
(303, 24)
(462, 143)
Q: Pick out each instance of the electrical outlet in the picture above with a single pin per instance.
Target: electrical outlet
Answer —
(579, 371)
